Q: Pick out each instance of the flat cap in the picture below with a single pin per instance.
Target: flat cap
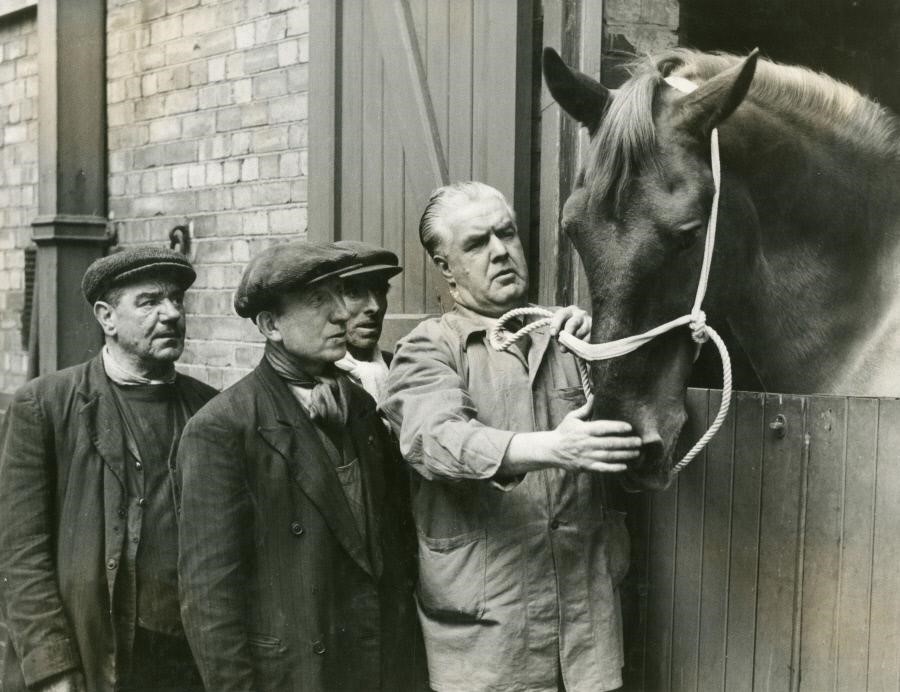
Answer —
(132, 264)
(287, 267)
(371, 258)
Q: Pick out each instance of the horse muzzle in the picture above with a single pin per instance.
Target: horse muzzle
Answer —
(650, 471)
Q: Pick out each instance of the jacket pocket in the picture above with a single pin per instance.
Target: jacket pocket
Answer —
(564, 401)
(452, 574)
(618, 545)
(270, 662)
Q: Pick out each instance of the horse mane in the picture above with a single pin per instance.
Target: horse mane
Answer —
(625, 141)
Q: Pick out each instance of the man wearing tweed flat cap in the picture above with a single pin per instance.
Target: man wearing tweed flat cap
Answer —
(296, 543)
(365, 295)
(88, 537)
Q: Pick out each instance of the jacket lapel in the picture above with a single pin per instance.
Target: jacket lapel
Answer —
(362, 430)
(540, 341)
(289, 431)
(102, 420)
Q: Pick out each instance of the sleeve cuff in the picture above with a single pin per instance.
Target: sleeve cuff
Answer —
(49, 659)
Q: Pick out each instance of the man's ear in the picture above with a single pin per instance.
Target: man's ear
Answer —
(106, 316)
(441, 263)
(265, 323)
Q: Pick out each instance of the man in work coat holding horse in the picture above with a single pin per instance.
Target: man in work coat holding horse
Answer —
(296, 544)
(519, 556)
(88, 536)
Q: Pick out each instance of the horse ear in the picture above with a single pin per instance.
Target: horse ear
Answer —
(712, 102)
(580, 96)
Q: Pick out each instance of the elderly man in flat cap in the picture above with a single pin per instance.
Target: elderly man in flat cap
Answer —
(296, 542)
(88, 537)
(365, 295)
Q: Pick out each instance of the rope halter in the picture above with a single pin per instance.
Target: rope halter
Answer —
(696, 320)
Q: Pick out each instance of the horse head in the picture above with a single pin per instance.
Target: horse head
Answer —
(638, 218)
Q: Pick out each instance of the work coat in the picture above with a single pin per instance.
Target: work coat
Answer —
(63, 527)
(279, 590)
(517, 577)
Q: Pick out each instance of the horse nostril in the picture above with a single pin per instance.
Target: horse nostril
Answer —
(652, 451)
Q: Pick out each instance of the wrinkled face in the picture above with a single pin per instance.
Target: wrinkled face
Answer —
(643, 263)
(146, 321)
(311, 324)
(481, 257)
(366, 301)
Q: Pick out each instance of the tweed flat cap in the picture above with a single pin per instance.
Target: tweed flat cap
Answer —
(132, 264)
(287, 267)
(374, 259)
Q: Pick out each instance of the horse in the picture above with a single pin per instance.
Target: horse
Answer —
(804, 275)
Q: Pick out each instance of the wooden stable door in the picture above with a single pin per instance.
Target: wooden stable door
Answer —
(772, 561)
(405, 96)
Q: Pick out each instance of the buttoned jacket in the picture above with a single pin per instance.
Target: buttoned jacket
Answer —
(279, 589)
(63, 526)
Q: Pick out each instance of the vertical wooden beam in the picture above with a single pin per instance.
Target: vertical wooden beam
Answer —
(70, 230)
(557, 161)
(781, 546)
(750, 434)
(524, 126)
(884, 610)
(324, 119)
(574, 29)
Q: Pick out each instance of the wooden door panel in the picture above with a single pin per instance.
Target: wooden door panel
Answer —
(422, 92)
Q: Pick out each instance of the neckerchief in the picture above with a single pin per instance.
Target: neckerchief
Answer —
(322, 399)
(371, 374)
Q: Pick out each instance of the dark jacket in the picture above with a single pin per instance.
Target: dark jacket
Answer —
(279, 591)
(62, 531)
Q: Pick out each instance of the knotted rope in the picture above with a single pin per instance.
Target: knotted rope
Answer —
(696, 320)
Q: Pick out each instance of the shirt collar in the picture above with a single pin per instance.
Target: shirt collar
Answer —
(121, 375)
(468, 323)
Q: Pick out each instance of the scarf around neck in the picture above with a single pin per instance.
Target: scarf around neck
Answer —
(320, 395)
(370, 374)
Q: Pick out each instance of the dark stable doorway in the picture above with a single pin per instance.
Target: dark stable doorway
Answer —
(856, 41)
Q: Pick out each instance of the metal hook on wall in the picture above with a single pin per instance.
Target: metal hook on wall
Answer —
(180, 238)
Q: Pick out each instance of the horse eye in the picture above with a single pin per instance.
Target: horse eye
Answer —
(685, 236)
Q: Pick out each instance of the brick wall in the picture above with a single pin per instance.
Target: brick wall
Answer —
(636, 28)
(18, 184)
(208, 124)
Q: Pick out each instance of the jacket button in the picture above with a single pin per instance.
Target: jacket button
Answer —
(121, 512)
(318, 648)
(296, 529)
(112, 563)
(554, 524)
(141, 502)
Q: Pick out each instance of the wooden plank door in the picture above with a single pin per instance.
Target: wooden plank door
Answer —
(408, 95)
(771, 563)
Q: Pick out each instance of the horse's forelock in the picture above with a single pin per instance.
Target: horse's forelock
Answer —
(624, 143)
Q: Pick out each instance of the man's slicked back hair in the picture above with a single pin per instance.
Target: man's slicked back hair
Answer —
(446, 198)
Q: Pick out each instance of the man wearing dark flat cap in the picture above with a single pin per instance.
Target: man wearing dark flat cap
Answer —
(88, 536)
(365, 295)
(296, 541)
